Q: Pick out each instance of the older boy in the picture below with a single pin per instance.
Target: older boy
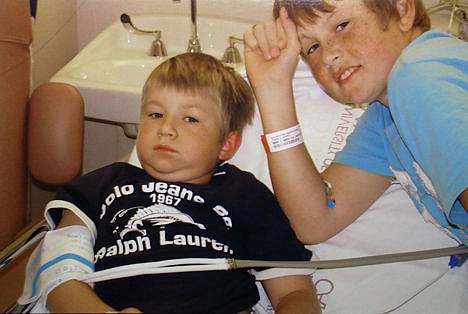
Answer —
(414, 132)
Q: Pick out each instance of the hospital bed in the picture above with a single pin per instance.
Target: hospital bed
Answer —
(391, 225)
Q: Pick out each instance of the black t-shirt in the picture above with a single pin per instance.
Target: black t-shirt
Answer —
(140, 219)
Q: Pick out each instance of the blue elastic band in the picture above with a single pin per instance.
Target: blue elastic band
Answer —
(57, 260)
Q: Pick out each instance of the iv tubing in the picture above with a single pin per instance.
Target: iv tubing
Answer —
(357, 261)
(210, 264)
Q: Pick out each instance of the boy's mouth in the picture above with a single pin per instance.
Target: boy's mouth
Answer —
(343, 75)
(164, 148)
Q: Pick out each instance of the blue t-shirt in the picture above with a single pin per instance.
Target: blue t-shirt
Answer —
(422, 137)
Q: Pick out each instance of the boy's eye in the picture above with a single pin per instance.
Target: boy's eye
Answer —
(312, 48)
(155, 115)
(191, 119)
(341, 26)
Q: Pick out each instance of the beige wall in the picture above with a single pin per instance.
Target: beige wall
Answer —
(55, 37)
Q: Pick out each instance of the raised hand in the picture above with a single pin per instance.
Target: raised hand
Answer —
(271, 51)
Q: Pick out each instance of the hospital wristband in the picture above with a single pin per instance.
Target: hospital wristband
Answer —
(282, 139)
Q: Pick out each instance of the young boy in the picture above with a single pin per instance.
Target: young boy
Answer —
(185, 202)
(414, 132)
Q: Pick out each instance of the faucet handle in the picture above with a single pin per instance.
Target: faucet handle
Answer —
(127, 22)
(157, 48)
(231, 54)
(194, 45)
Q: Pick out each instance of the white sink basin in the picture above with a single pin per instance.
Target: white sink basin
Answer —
(111, 70)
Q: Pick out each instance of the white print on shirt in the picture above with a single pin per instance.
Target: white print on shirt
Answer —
(221, 211)
(405, 180)
(161, 192)
(117, 193)
(157, 215)
(140, 244)
(427, 183)
(172, 190)
(138, 219)
(193, 240)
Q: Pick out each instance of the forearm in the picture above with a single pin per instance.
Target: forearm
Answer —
(299, 186)
(296, 182)
(292, 294)
(300, 302)
(77, 297)
(73, 295)
(300, 191)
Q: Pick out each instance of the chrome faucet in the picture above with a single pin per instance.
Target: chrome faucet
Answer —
(194, 42)
(232, 54)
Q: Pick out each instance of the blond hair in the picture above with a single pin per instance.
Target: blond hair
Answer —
(202, 73)
(302, 11)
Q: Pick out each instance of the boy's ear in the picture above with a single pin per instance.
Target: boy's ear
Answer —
(231, 145)
(407, 11)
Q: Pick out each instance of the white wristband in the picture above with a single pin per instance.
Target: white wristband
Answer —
(282, 139)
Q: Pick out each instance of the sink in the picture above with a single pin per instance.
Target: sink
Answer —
(111, 70)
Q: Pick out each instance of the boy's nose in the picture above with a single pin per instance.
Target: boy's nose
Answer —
(167, 129)
(330, 53)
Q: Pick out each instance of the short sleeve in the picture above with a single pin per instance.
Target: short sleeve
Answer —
(365, 147)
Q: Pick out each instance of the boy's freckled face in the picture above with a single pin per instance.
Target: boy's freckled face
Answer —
(179, 137)
(349, 52)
